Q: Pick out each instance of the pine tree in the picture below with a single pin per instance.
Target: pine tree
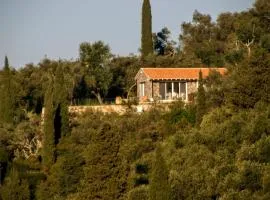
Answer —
(159, 184)
(146, 40)
(49, 132)
(201, 101)
(7, 99)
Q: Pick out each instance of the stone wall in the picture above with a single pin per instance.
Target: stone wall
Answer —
(119, 109)
(156, 89)
(142, 78)
(192, 87)
(148, 89)
(102, 108)
(108, 109)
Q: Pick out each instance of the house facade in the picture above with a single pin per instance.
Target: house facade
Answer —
(170, 83)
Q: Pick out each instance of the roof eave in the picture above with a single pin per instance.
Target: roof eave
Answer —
(174, 79)
(141, 71)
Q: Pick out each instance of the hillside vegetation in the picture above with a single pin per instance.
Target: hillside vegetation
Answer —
(217, 147)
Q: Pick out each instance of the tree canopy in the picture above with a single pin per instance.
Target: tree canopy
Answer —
(216, 147)
(95, 59)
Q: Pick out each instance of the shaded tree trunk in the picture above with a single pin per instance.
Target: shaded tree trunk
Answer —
(98, 96)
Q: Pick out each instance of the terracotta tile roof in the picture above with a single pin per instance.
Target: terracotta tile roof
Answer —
(178, 73)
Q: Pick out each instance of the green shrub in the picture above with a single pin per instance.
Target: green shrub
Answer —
(139, 193)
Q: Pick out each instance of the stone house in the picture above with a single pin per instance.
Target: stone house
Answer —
(169, 83)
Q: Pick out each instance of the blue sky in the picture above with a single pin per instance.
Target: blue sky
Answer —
(31, 29)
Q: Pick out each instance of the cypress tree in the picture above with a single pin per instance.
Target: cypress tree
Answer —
(159, 184)
(201, 101)
(146, 37)
(56, 119)
(61, 102)
(3, 162)
(7, 99)
(6, 66)
(49, 132)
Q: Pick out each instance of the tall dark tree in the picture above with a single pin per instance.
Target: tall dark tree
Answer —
(3, 162)
(61, 102)
(6, 66)
(48, 155)
(146, 40)
(7, 98)
(56, 119)
(159, 184)
(201, 101)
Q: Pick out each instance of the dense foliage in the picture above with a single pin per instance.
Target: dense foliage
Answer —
(217, 147)
(8, 101)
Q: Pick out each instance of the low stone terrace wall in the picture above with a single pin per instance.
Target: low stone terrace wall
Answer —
(120, 109)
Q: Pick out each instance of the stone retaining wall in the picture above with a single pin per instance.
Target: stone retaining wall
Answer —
(119, 109)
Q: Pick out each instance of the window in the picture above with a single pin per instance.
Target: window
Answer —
(162, 90)
(141, 89)
(183, 90)
(175, 93)
(173, 90)
(169, 90)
